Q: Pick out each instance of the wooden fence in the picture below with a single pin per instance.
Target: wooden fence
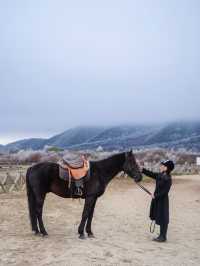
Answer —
(12, 179)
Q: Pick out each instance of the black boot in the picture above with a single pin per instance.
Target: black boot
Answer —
(160, 239)
(163, 233)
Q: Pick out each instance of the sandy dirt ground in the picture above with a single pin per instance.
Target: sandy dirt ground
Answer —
(121, 227)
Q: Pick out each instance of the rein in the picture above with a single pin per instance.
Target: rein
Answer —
(143, 188)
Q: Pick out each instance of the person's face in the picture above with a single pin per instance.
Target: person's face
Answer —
(163, 168)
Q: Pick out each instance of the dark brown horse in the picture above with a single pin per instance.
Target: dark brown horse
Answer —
(44, 177)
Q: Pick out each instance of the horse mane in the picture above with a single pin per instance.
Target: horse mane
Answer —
(110, 158)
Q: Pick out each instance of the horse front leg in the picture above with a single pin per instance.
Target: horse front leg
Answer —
(89, 202)
(89, 221)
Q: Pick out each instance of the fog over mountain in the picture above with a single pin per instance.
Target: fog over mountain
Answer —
(69, 63)
(184, 135)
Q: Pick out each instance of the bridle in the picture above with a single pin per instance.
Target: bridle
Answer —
(138, 184)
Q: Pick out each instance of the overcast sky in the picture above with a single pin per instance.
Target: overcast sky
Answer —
(68, 63)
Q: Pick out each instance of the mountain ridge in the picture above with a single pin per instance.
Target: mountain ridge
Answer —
(171, 135)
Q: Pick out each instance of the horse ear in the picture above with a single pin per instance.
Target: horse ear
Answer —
(132, 155)
(128, 153)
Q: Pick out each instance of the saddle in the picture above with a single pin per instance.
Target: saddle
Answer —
(74, 162)
(73, 169)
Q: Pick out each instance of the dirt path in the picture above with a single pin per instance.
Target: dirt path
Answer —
(121, 226)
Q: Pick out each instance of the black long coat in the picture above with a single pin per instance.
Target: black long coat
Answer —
(159, 210)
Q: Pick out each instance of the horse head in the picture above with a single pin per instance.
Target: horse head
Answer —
(131, 167)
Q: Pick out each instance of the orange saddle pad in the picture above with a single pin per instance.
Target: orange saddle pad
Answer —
(76, 169)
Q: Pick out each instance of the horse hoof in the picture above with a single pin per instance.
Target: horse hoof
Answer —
(82, 237)
(44, 234)
(91, 236)
(36, 233)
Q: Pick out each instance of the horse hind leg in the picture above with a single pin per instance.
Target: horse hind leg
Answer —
(33, 217)
(32, 208)
(39, 208)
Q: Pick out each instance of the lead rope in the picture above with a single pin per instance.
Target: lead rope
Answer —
(153, 224)
(143, 188)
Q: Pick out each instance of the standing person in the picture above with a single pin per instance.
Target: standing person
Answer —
(159, 210)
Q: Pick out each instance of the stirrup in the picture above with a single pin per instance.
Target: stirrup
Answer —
(79, 192)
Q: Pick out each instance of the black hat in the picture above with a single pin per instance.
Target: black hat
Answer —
(169, 164)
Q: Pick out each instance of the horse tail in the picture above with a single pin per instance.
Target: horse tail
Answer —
(31, 198)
